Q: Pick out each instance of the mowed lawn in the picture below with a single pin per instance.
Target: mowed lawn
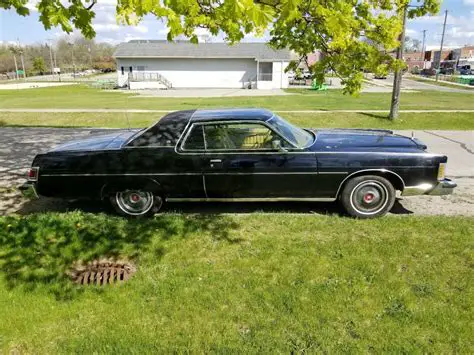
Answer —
(255, 283)
(80, 96)
(432, 121)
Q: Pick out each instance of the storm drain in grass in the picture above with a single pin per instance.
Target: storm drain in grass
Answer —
(102, 272)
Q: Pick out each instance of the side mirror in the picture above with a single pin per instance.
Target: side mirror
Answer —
(276, 144)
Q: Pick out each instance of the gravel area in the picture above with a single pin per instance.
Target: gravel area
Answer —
(19, 145)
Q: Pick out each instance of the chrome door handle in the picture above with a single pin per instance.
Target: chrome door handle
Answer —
(214, 161)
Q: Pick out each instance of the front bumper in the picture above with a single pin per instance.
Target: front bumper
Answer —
(443, 187)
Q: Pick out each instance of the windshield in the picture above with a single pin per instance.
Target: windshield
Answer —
(299, 137)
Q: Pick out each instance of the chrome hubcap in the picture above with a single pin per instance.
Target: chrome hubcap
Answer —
(369, 197)
(134, 202)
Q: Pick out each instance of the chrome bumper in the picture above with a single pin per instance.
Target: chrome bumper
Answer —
(443, 187)
(28, 187)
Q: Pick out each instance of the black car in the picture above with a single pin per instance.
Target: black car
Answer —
(240, 155)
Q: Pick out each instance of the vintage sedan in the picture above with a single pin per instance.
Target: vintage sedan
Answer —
(240, 155)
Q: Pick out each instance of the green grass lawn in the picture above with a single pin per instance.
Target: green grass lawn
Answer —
(79, 96)
(451, 121)
(258, 283)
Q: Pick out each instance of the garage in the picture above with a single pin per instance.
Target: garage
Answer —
(143, 64)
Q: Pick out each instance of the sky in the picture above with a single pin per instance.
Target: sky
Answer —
(28, 30)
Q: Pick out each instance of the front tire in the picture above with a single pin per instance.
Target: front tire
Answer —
(136, 203)
(368, 196)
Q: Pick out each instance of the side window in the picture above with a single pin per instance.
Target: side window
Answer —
(239, 136)
(195, 139)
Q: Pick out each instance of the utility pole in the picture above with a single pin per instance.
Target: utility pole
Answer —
(51, 57)
(397, 80)
(16, 67)
(21, 59)
(90, 56)
(442, 43)
(72, 56)
(423, 49)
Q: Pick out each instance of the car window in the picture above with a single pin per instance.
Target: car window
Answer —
(239, 136)
(195, 139)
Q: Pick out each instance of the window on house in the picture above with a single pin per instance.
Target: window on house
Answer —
(140, 68)
(265, 71)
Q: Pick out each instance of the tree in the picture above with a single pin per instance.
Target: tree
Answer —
(353, 34)
(412, 44)
(38, 65)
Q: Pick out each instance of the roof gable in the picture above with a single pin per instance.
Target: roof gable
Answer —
(164, 49)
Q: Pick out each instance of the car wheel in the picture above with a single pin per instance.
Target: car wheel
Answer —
(368, 196)
(136, 203)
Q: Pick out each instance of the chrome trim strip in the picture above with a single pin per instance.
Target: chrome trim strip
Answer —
(264, 173)
(188, 130)
(316, 152)
(126, 174)
(195, 174)
(368, 170)
(333, 172)
(253, 199)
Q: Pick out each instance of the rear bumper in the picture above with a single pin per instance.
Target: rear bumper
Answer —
(443, 187)
(28, 187)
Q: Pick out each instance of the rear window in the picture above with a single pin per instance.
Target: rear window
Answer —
(195, 139)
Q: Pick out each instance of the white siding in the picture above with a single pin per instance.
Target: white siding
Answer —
(203, 73)
(195, 73)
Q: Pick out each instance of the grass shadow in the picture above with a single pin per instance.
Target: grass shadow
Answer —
(380, 116)
(38, 250)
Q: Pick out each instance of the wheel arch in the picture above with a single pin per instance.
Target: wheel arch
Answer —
(148, 184)
(395, 179)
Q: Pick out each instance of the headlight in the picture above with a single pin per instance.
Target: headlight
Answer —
(441, 171)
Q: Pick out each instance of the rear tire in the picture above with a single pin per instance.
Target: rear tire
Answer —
(368, 196)
(136, 203)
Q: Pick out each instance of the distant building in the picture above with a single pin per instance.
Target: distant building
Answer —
(145, 64)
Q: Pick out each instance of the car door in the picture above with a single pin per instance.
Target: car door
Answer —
(247, 159)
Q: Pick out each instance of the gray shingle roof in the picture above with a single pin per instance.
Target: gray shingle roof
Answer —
(164, 49)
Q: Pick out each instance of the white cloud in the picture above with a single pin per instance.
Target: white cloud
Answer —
(469, 2)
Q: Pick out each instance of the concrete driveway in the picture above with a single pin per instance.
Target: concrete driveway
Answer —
(18, 147)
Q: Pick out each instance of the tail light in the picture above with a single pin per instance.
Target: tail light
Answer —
(441, 171)
(33, 174)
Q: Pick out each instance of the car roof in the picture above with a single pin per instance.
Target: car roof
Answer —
(256, 114)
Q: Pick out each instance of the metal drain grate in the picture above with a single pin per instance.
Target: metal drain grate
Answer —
(102, 272)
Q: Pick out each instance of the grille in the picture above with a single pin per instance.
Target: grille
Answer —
(102, 272)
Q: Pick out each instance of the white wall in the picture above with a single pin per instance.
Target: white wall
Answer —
(279, 78)
(140, 85)
(194, 73)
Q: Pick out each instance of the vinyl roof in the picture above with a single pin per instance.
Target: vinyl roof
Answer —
(165, 49)
(257, 114)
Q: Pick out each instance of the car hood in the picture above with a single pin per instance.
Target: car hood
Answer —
(97, 142)
(359, 139)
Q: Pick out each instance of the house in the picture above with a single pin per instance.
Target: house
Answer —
(143, 64)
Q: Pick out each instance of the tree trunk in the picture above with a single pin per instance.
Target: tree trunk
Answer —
(397, 80)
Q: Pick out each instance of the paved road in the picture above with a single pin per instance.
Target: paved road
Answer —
(413, 85)
(19, 145)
